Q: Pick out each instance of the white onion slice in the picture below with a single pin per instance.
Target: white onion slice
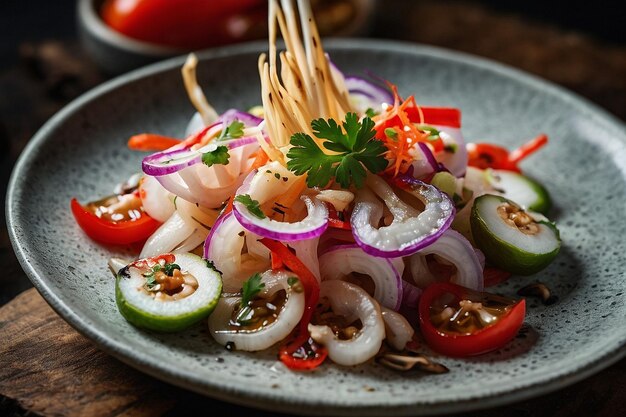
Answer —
(224, 246)
(155, 199)
(266, 336)
(167, 237)
(410, 230)
(209, 186)
(195, 239)
(339, 261)
(353, 303)
(455, 162)
(398, 331)
(306, 251)
(455, 249)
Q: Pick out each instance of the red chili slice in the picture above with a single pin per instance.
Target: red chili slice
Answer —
(472, 336)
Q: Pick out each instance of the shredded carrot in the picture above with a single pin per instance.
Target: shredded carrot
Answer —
(398, 119)
(260, 160)
(151, 142)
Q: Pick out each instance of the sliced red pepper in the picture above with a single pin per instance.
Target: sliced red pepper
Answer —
(118, 233)
(487, 155)
(334, 221)
(528, 148)
(151, 142)
(441, 116)
(312, 294)
(339, 224)
(168, 258)
(277, 263)
(302, 353)
(479, 340)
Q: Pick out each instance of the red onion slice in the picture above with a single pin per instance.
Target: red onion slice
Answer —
(410, 230)
(365, 94)
(456, 250)
(339, 261)
(430, 158)
(196, 123)
(171, 161)
(410, 294)
(313, 225)
(248, 120)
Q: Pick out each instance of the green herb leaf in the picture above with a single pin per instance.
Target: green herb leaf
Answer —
(433, 134)
(391, 133)
(356, 150)
(233, 131)
(219, 156)
(252, 205)
(169, 269)
(212, 266)
(370, 112)
(451, 148)
(150, 281)
(251, 287)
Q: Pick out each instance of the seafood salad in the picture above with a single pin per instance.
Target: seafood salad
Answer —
(335, 221)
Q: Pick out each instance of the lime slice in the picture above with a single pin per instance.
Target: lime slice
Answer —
(142, 304)
(510, 238)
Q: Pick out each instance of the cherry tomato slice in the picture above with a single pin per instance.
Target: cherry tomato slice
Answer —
(475, 323)
(114, 232)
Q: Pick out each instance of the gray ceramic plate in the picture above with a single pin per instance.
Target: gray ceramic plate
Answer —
(81, 152)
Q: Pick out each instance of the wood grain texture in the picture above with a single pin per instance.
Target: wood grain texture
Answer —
(52, 370)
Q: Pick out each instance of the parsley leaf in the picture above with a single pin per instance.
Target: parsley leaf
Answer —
(219, 156)
(252, 205)
(232, 131)
(355, 146)
(251, 287)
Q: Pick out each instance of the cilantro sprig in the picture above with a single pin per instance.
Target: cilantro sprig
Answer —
(252, 205)
(250, 288)
(150, 274)
(355, 146)
(218, 156)
(232, 131)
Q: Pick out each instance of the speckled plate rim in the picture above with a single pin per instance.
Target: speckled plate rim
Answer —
(609, 354)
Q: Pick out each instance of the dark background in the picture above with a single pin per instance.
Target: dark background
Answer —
(34, 20)
(579, 45)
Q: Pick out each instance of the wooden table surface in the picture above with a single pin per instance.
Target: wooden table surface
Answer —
(46, 368)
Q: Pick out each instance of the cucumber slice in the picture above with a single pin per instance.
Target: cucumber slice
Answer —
(150, 309)
(504, 244)
(524, 191)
